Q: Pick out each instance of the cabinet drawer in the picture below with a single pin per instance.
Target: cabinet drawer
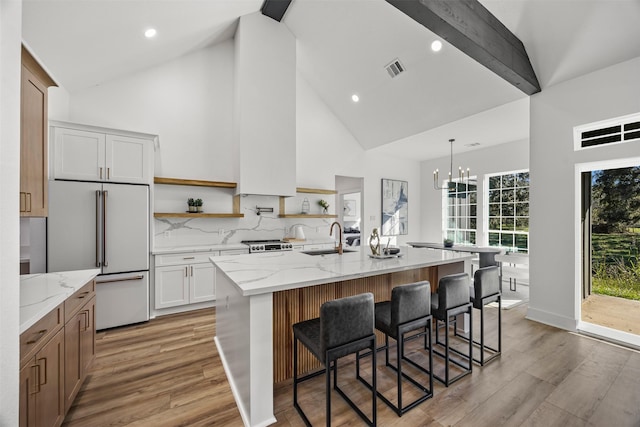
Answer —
(78, 299)
(234, 252)
(185, 258)
(33, 338)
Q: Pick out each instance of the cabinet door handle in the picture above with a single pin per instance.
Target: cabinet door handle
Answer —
(108, 173)
(40, 334)
(44, 359)
(100, 172)
(23, 201)
(29, 199)
(85, 316)
(186, 272)
(192, 271)
(36, 375)
(83, 295)
(189, 257)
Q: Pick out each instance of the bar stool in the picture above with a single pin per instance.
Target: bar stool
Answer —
(345, 326)
(409, 310)
(452, 299)
(485, 290)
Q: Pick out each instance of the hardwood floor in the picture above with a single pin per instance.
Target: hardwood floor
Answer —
(167, 372)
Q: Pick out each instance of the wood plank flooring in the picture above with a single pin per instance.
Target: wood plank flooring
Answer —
(167, 372)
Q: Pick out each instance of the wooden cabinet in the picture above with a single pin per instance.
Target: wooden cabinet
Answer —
(56, 354)
(33, 137)
(88, 153)
(182, 279)
(79, 339)
(42, 385)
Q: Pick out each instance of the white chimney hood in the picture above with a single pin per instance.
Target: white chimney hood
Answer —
(265, 107)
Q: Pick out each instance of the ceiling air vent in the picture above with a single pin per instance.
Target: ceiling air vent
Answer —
(623, 129)
(395, 68)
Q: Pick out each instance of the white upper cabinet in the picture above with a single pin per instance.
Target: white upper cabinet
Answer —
(86, 153)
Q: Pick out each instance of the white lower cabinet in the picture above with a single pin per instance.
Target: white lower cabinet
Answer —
(182, 279)
(186, 278)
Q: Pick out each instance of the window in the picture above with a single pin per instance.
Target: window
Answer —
(508, 224)
(461, 212)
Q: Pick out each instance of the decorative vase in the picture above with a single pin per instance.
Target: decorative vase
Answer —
(199, 209)
(193, 209)
(325, 211)
(305, 206)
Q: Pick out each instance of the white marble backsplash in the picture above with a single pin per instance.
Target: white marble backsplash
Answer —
(213, 231)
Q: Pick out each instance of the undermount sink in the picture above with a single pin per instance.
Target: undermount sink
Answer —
(326, 251)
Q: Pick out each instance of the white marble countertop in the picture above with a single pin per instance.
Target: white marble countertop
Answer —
(261, 273)
(197, 248)
(41, 293)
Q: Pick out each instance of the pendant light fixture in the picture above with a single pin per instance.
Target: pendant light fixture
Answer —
(462, 176)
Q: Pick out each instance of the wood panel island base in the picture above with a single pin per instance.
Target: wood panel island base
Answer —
(259, 297)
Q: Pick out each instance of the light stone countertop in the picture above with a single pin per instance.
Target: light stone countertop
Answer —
(262, 273)
(41, 293)
(198, 248)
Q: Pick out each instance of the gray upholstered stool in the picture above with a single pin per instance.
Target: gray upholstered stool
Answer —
(345, 326)
(452, 299)
(485, 290)
(409, 310)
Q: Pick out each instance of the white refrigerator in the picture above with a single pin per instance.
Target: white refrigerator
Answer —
(106, 226)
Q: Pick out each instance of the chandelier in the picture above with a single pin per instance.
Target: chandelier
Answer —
(462, 176)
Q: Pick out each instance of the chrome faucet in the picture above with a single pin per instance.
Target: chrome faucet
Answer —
(340, 235)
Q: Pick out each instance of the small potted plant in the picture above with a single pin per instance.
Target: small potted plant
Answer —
(198, 203)
(448, 243)
(325, 205)
(192, 205)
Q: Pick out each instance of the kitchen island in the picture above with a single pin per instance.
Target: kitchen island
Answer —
(259, 297)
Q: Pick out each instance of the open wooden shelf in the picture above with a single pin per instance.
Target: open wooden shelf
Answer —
(315, 191)
(196, 215)
(199, 183)
(307, 216)
(194, 182)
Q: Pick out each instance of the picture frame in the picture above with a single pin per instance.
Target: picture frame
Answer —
(395, 207)
(350, 208)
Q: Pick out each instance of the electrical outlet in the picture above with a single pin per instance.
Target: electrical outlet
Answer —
(167, 234)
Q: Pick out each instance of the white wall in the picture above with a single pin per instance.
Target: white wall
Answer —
(554, 261)
(187, 102)
(10, 37)
(495, 159)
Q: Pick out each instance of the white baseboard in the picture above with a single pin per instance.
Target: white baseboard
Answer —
(552, 319)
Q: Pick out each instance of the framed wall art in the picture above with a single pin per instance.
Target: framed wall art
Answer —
(395, 207)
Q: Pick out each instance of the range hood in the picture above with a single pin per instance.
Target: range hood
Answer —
(265, 107)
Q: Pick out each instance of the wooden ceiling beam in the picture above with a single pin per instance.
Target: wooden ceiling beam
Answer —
(471, 28)
(275, 9)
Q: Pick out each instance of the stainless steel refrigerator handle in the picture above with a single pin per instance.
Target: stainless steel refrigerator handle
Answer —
(98, 262)
(104, 228)
(126, 279)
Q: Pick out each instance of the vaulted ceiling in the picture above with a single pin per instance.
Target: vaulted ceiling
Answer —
(343, 48)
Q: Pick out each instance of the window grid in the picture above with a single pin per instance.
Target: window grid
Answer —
(460, 216)
(508, 224)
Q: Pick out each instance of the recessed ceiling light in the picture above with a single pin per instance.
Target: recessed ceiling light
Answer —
(355, 98)
(436, 46)
(150, 33)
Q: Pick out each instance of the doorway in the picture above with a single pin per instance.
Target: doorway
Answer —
(350, 208)
(610, 223)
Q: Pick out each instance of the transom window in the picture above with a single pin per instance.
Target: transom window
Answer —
(508, 224)
(460, 204)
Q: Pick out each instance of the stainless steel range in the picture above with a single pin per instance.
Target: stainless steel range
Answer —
(256, 246)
